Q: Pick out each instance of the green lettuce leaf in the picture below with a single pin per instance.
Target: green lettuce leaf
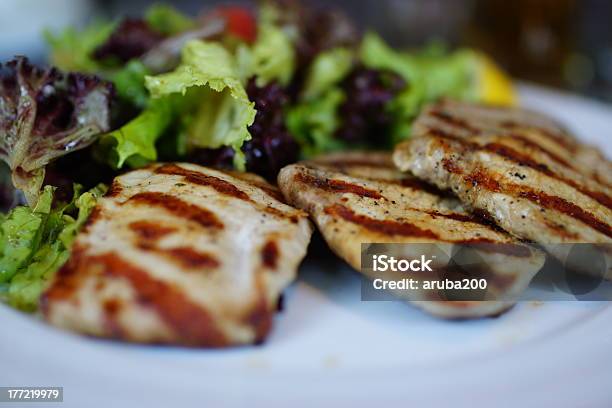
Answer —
(328, 69)
(204, 64)
(71, 49)
(273, 56)
(314, 122)
(167, 20)
(134, 142)
(431, 74)
(215, 108)
(21, 232)
(129, 83)
(84, 204)
(404, 108)
(315, 119)
(35, 243)
(26, 287)
(376, 54)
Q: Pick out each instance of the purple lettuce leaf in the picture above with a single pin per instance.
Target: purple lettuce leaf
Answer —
(271, 146)
(46, 114)
(364, 114)
(131, 39)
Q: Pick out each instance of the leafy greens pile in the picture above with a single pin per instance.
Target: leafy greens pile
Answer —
(35, 242)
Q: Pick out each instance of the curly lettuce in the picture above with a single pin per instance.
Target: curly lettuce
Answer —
(314, 122)
(72, 50)
(315, 118)
(167, 20)
(44, 115)
(129, 83)
(35, 242)
(215, 107)
(431, 74)
(327, 70)
(134, 142)
(271, 58)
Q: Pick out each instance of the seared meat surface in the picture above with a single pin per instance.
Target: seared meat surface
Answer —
(357, 198)
(519, 168)
(180, 254)
(529, 131)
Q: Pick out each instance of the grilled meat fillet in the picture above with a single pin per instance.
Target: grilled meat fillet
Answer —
(180, 254)
(357, 198)
(520, 169)
(531, 132)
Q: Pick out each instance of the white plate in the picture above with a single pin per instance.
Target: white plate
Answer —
(330, 348)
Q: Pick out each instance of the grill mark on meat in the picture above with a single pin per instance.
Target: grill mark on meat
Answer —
(521, 159)
(488, 245)
(183, 256)
(150, 231)
(442, 134)
(336, 186)
(568, 208)
(114, 190)
(600, 180)
(220, 185)
(112, 309)
(459, 217)
(260, 317)
(187, 319)
(381, 226)
(561, 230)
(294, 218)
(190, 258)
(561, 141)
(270, 254)
(419, 185)
(272, 192)
(410, 230)
(484, 244)
(95, 216)
(450, 166)
(516, 157)
(480, 178)
(524, 160)
(454, 121)
(178, 208)
(535, 146)
(67, 279)
(487, 219)
(223, 187)
(354, 162)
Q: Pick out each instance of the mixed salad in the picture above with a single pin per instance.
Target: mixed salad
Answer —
(252, 89)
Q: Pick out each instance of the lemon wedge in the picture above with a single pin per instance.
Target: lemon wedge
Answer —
(494, 86)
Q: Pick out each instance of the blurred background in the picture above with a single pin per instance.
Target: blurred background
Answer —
(565, 44)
